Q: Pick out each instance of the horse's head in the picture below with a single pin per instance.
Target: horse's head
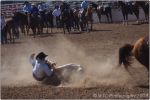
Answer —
(89, 10)
(76, 12)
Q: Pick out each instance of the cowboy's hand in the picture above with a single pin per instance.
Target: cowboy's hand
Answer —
(54, 64)
(32, 55)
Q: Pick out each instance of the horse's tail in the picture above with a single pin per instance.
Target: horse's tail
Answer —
(125, 54)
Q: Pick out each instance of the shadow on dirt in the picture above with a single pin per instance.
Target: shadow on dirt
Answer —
(140, 23)
(94, 30)
(143, 86)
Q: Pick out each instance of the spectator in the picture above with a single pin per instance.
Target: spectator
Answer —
(3, 29)
(57, 13)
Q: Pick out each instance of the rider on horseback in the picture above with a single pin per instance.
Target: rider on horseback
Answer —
(84, 6)
(27, 7)
(42, 68)
(42, 8)
(34, 9)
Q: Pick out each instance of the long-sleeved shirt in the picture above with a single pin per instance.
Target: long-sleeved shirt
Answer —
(43, 7)
(84, 4)
(34, 10)
(56, 12)
(3, 23)
(41, 69)
(27, 8)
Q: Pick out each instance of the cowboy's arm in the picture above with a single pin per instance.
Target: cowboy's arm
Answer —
(51, 64)
(48, 71)
(32, 60)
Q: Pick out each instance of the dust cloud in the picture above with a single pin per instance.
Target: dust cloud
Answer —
(16, 68)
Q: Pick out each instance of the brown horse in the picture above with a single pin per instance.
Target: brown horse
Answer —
(86, 17)
(140, 50)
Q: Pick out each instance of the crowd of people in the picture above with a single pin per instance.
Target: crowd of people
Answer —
(41, 7)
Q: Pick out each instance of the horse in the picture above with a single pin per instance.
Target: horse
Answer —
(101, 10)
(49, 20)
(66, 20)
(129, 9)
(11, 30)
(76, 18)
(145, 6)
(140, 50)
(35, 23)
(21, 20)
(86, 17)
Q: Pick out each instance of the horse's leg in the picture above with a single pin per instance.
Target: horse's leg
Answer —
(13, 34)
(34, 31)
(146, 17)
(124, 17)
(81, 28)
(99, 18)
(137, 16)
(47, 29)
(17, 31)
(91, 25)
(4, 35)
(6, 31)
(27, 28)
(87, 26)
(127, 19)
(110, 15)
(69, 27)
(64, 27)
(107, 18)
(51, 26)
(136, 12)
(23, 29)
(78, 26)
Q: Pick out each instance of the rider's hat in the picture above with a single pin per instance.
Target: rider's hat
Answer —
(41, 56)
(26, 2)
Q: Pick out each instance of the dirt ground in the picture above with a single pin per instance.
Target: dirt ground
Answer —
(96, 51)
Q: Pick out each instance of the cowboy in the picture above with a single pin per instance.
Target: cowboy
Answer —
(3, 29)
(27, 7)
(84, 5)
(34, 9)
(42, 68)
(57, 13)
(43, 7)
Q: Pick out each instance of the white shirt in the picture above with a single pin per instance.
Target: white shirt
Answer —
(56, 12)
(41, 7)
(3, 23)
(40, 68)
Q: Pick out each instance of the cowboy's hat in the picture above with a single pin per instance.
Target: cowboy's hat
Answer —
(41, 56)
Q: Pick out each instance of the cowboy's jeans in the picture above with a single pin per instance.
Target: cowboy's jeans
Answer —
(58, 21)
(3, 35)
